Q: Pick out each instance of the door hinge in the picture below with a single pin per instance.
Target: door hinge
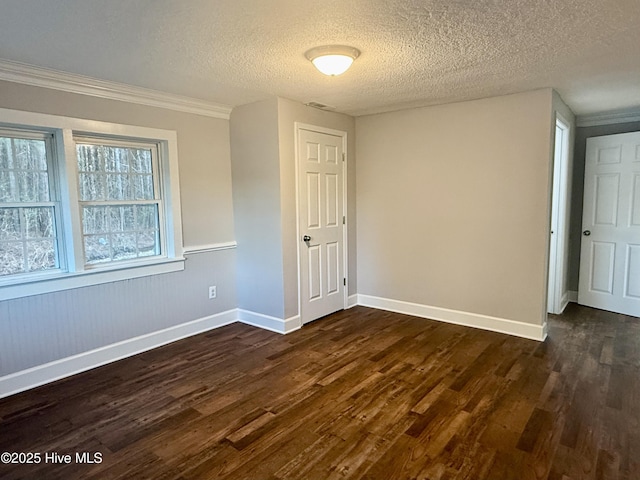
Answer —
(343, 156)
(344, 282)
(344, 220)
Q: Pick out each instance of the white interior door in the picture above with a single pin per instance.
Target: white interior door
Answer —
(321, 223)
(610, 254)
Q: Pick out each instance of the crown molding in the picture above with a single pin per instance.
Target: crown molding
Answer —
(68, 82)
(609, 118)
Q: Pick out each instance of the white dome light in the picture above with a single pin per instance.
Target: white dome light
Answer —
(332, 59)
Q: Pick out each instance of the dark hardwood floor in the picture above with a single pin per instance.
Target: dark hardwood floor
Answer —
(361, 394)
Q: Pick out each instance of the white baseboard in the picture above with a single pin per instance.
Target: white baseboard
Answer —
(494, 324)
(267, 322)
(564, 301)
(352, 301)
(65, 367)
(573, 296)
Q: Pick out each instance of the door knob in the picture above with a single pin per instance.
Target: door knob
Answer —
(306, 238)
(586, 233)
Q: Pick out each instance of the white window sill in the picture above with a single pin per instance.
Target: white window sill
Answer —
(56, 282)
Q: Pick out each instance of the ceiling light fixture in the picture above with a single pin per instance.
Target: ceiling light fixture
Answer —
(332, 59)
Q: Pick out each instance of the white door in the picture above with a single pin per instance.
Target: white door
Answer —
(610, 255)
(320, 221)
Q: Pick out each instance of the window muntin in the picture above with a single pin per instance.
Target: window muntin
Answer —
(28, 223)
(120, 200)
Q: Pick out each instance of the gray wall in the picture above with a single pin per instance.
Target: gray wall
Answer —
(42, 328)
(264, 195)
(582, 133)
(47, 327)
(290, 112)
(256, 199)
(453, 205)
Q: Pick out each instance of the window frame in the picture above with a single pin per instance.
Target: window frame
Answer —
(64, 182)
(158, 189)
(54, 197)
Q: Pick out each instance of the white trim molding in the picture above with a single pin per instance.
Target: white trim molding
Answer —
(65, 367)
(564, 301)
(73, 83)
(352, 301)
(467, 319)
(211, 247)
(608, 118)
(268, 322)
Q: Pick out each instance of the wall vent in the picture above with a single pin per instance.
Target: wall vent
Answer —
(321, 106)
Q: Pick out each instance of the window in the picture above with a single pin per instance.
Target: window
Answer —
(28, 232)
(84, 202)
(120, 201)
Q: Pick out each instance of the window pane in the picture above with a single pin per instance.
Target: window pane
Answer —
(88, 158)
(141, 161)
(34, 186)
(6, 157)
(143, 187)
(94, 220)
(114, 173)
(8, 187)
(31, 229)
(92, 187)
(30, 154)
(124, 246)
(122, 218)
(23, 170)
(97, 249)
(39, 222)
(148, 243)
(116, 159)
(147, 217)
(41, 255)
(120, 232)
(118, 187)
(10, 224)
(11, 258)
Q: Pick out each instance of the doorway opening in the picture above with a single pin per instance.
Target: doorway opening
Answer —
(558, 292)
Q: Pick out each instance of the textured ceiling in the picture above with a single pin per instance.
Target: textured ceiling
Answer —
(414, 53)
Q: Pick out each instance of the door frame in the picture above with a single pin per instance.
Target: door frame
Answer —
(557, 290)
(345, 227)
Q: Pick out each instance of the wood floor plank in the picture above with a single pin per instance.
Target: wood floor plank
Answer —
(361, 394)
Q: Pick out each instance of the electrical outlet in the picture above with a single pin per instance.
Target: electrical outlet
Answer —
(212, 292)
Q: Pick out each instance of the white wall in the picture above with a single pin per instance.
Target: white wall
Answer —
(43, 328)
(453, 205)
